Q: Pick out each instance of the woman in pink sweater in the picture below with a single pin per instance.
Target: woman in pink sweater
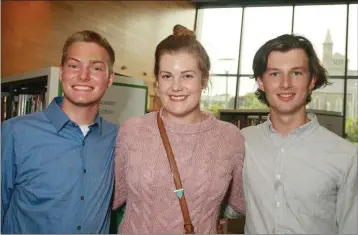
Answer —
(208, 152)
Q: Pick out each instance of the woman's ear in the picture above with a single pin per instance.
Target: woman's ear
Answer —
(205, 83)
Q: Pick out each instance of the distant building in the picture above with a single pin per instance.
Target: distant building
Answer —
(330, 98)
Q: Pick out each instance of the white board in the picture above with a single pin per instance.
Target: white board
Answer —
(122, 101)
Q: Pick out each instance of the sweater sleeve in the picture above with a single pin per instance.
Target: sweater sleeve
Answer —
(236, 197)
(120, 159)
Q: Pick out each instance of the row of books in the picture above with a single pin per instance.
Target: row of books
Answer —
(250, 120)
(21, 104)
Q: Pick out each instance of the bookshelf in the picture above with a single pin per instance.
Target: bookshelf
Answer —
(28, 92)
(242, 118)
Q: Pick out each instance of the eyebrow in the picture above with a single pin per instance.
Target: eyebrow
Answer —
(294, 68)
(91, 61)
(185, 71)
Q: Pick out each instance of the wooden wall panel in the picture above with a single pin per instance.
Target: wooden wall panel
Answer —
(33, 32)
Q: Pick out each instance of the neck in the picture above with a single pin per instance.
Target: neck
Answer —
(286, 123)
(193, 117)
(82, 115)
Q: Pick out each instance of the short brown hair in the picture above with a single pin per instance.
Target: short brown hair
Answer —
(285, 43)
(183, 39)
(88, 36)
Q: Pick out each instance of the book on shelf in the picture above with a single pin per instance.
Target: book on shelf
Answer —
(250, 120)
(21, 104)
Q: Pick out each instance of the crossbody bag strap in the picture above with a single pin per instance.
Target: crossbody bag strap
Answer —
(188, 226)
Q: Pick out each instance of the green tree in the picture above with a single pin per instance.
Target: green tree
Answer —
(250, 101)
(352, 129)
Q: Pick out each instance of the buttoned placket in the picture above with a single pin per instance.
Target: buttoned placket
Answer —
(278, 203)
(83, 177)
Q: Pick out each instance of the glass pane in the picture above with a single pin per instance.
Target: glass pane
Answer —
(352, 110)
(219, 32)
(329, 98)
(260, 25)
(247, 98)
(353, 41)
(327, 33)
(219, 95)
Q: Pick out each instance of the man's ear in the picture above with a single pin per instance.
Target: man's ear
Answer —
(312, 83)
(60, 74)
(260, 84)
(110, 79)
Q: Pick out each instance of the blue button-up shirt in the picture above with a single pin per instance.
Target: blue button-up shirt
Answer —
(53, 178)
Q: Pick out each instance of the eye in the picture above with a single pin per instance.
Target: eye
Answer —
(73, 66)
(297, 73)
(98, 69)
(188, 76)
(165, 76)
(274, 74)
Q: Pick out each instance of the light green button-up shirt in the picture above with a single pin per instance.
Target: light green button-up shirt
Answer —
(303, 183)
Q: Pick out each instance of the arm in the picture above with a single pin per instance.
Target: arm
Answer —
(120, 182)
(347, 199)
(8, 169)
(236, 206)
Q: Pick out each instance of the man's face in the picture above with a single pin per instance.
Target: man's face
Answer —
(286, 81)
(85, 74)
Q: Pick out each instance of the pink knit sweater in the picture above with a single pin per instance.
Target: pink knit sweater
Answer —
(209, 156)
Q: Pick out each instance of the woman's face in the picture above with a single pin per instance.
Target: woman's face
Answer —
(180, 84)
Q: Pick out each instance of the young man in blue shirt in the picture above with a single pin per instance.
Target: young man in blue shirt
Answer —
(57, 165)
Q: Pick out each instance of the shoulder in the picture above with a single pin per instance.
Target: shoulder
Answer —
(24, 122)
(335, 143)
(230, 132)
(134, 125)
(253, 132)
(109, 127)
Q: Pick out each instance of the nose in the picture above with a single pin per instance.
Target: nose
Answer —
(286, 81)
(84, 74)
(176, 84)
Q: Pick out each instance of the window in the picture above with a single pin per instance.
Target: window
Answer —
(352, 110)
(325, 27)
(329, 98)
(220, 94)
(261, 24)
(352, 41)
(247, 98)
(219, 32)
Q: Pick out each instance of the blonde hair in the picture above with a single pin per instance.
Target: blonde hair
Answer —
(88, 36)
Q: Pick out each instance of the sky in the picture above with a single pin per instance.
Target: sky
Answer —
(219, 31)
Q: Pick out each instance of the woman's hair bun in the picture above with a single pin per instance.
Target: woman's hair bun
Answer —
(180, 30)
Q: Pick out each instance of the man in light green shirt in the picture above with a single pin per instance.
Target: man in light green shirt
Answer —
(298, 176)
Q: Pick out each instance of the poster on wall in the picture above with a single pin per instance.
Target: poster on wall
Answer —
(122, 101)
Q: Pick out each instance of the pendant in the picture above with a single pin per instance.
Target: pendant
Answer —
(179, 192)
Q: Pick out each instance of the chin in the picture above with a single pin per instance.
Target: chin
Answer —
(83, 101)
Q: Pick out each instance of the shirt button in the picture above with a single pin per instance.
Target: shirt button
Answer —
(78, 227)
(277, 204)
(278, 231)
(82, 197)
(278, 176)
(84, 170)
(73, 124)
(277, 184)
(281, 150)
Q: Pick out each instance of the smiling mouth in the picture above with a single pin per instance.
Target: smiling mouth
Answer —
(178, 98)
(286, 96)
(82, 88)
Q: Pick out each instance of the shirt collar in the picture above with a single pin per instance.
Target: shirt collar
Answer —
(302, 130)
(59, 118)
